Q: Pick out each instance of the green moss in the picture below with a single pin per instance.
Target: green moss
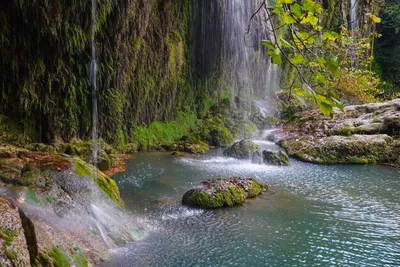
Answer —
(345, 131)
(8, 235)
(30, 197)
(223, 193)
(254, 188)
(238, 195)
(106, 184)
(83, 169)
(60, 258)
(148, 137)
(11, 254)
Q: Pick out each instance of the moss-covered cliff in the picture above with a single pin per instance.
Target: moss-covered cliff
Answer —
(143, 55)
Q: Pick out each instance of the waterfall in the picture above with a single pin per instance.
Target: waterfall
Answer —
(221, 46)
(353, 15)
(353, 27)
(93, 84)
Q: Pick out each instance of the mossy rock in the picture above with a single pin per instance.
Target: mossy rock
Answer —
(275, 157)
(219, 193)
(241, 150)
(355, 149)
(106, 184)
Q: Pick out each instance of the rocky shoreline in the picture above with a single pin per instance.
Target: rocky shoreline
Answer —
(359, 134)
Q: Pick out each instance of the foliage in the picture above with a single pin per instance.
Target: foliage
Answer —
(387, 49)
(319, 56)
(142, 65)
(158, 133)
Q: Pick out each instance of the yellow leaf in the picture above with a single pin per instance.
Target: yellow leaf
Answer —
(375, 18)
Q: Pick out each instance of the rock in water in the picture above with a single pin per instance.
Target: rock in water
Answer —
(241, 150)
(219, 193)
(275, 157)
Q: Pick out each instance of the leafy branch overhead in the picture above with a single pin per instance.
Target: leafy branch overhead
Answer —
(321, 56)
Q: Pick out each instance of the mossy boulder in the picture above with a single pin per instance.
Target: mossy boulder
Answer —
(275, 157)
(219, 193)
(355, 149)
(241, 150)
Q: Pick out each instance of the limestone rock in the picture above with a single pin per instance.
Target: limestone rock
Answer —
(219, 193)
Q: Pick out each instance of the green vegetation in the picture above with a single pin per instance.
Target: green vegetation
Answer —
(106, 184)
(148, 137)
(59, 258)
(8, 235)
(387, 52)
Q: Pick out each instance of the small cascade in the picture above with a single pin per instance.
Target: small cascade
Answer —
(93, 84)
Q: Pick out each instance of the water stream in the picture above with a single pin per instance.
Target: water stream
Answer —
(345, 215)
(93, 84)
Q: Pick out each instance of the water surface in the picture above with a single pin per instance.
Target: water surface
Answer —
(343, 215)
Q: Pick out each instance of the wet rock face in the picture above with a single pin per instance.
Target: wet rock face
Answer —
(13, 246)
(219, 193)
(241, 150)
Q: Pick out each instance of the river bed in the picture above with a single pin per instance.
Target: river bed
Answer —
(316, 214)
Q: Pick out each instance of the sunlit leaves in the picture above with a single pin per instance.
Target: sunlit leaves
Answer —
(330, 36)
(375, 18)
(273, 52)
(298, 59)
(288, 19)
(286, 1)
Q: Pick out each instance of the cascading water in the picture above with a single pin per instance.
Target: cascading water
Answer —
(222, 46)
(93, 84)
(353, 28)
(353, 15)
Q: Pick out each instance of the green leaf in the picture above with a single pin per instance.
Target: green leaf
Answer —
(297, 60)
(286, 44)
(331, 36)
(325, 106)
(332, 65)
(375, 18)
(268, 44)
(337, 103)
(319, 77)
(286, 1)
(277, 10)
(297, 10)
(276, 59)
(287, 19)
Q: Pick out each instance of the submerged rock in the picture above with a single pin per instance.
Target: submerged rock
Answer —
(275, 157)
(241, 150)
(219, 193)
